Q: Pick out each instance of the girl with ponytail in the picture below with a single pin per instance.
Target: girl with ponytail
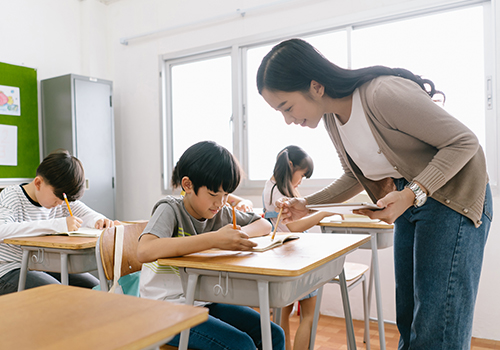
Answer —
(292, 165)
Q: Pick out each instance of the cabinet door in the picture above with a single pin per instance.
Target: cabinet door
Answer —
(94, 140)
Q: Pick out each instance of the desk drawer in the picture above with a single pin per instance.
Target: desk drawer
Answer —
(242, 289)
(50, 261)
(385, 238)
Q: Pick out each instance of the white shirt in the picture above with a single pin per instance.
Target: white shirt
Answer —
(271, 207)
(361, 146)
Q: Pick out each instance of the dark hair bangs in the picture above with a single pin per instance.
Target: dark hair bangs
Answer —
(64, 173)
(208, 164)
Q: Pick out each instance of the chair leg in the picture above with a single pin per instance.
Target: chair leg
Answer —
(314, 327)
(366, 336)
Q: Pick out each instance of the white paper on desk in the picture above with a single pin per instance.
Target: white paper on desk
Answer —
(343, 208)
(8, 145)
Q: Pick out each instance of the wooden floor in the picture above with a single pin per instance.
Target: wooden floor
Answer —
(331, 335)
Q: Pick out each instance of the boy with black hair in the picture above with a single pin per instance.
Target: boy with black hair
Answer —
(38, 208)
(200, 220)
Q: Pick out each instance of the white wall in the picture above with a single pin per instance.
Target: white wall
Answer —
(68, 36)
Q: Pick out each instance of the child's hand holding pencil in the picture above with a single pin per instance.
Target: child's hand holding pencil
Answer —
(72, 222)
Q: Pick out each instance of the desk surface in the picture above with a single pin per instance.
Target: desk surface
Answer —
(64, 317)
(59, 242)
(294, 258)
(358, 224)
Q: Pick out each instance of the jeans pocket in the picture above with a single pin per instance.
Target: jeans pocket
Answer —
(488, 204)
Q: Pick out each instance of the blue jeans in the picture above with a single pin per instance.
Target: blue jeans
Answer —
(231, 327)
(438, 255)
(10, 281)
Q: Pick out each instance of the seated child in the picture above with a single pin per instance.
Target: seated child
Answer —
(200, 220)
(38, 208)
(292, 164)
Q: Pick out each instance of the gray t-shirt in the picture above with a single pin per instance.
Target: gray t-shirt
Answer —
(171, 219)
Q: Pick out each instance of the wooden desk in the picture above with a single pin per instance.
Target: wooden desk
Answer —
(64, 317)
(271, 279)
(382, 237)
(55, 254)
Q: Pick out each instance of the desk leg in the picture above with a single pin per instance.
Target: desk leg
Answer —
(64, 269)
(191, 286)
(375, 275)
(351, 341)
(316, 318)
(265, 318)
(24, 271)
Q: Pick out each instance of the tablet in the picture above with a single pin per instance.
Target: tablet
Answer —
(343, 208)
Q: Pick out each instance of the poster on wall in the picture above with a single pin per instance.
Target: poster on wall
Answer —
(8, 145)
(10, 100)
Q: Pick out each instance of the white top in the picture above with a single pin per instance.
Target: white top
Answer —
(20, 216)
(271, 207)
(361, 146)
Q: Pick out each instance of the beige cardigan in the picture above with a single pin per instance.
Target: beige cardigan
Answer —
(421, 141)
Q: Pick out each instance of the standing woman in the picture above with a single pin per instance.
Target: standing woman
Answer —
(412, 158)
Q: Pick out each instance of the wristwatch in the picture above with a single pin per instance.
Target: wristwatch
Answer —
(420, 196)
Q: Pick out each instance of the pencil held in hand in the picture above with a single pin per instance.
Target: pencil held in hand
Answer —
(277, 223)
(67, 203)
(234, 217)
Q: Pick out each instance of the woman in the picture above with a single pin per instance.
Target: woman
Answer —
(425, 168)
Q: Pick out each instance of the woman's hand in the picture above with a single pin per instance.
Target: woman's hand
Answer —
(395, 204)
(228, 238)
(293, 209)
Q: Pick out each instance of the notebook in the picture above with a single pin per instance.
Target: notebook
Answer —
(82, 232)
(265, 243)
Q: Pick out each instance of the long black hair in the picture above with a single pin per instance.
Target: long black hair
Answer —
(283, 170)
(292, 64)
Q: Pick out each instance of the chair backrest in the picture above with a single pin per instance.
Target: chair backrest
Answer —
(105, 252)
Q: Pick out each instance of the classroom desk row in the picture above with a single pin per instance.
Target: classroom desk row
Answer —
(271, 279)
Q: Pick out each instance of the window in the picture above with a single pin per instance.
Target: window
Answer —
(200, 105)
(203, 88)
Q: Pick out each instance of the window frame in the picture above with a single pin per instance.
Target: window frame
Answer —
(237, 50)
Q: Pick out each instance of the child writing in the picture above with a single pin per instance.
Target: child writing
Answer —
(200, 220)
(293, 164)
(38, 208)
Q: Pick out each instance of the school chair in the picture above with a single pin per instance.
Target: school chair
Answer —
(105, 253)
(354, 275)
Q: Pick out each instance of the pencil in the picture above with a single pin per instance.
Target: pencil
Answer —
(277, 223)
(67, 203)
(234, 217)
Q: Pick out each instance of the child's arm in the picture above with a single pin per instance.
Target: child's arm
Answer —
(152, 247)
(242, 204)
(90, 218)
(307, 222)
(259, 227)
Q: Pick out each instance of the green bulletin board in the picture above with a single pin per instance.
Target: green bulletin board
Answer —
(28, 154)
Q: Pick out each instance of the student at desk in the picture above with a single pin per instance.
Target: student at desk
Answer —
(200, 220)
(38, 208)
(292, 164)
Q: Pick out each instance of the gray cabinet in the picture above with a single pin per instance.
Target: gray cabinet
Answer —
(77, 115)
